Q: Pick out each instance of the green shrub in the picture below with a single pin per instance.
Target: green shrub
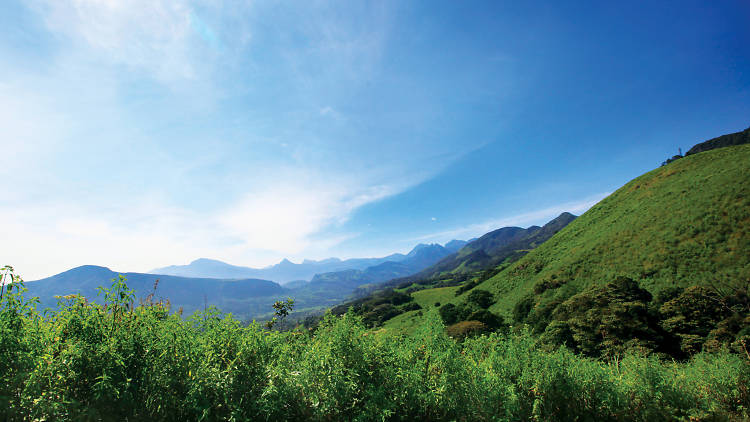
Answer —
(117, 361)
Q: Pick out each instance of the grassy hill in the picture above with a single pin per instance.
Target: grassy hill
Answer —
(662, 264)
(687, 223)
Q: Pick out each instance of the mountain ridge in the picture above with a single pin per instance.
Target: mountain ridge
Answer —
(285, 271)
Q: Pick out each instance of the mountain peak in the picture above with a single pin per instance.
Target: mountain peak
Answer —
(454, 245)
(207, 261)
(88, 268)
(565, 217)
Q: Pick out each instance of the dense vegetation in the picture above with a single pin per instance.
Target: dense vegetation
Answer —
(607, 320)
(118, 361)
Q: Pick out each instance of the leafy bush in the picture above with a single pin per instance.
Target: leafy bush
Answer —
(119, 361)
(480, 298)
(465, 329)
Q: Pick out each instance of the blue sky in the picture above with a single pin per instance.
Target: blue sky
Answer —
(143, 133)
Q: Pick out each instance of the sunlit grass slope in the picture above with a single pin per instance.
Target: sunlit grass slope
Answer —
(687, 223)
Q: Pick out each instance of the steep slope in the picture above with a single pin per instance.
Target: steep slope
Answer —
(443, 282)
(687, 223)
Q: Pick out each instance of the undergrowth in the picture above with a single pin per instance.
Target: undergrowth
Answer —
(125, 361)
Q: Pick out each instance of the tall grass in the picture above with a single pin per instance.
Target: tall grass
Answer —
(121, 361)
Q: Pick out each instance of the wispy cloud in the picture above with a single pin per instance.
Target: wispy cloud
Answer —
(529, 218)
(329, 111)
(284, 219)
(152, 132)
(170, 40)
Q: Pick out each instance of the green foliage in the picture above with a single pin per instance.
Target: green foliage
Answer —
(117, 361)
(692, 315)
(480, 298)
(606, 321)
(471, 317)
(282, 308)
(379, 307)
(466, 329)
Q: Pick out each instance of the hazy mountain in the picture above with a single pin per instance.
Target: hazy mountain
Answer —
(239, 293)
(421, 256)
(283, 272)
(188, 293)
(455, 245)
(287, 271)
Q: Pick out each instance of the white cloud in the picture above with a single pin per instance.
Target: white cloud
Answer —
(286, 217)
(534, 217)
(171, 40)
(148, 34)
(329, 111)
(282, 220)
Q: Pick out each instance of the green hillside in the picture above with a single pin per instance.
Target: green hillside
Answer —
(661, 265)
(684, 224)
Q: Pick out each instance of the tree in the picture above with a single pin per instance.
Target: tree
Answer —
(606, 320)
(282, 308)
(692, 315)
(481, 298)
(449, 313)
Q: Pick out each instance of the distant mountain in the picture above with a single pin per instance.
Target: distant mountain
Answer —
(239, 292)
(420, 257)
(455, 245)
(283, 272)
(189, 293)
(287, 271)
(491, 249)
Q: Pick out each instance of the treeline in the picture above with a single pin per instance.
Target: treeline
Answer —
(379, 303)
(122, 361)
(379, 307)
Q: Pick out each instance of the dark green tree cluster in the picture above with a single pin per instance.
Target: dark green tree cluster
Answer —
(472, 316)
(605, 321)
(379, 307)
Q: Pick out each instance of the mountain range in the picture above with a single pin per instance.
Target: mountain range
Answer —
(188, 293)
(245, 297)
(287, 271)
(420, 257)
(495, 247)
